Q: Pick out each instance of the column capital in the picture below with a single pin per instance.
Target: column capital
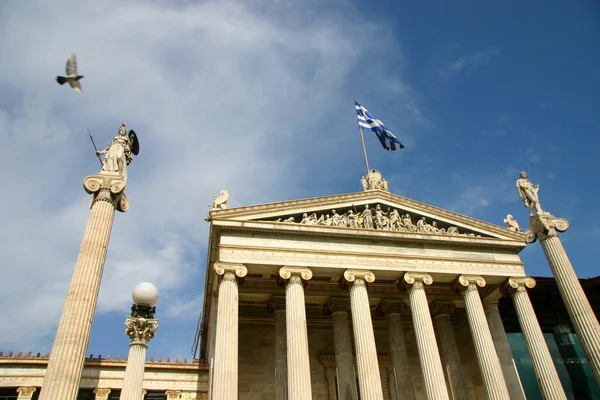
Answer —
(102, 393)
(25, 392)
(542, 226)
(467, 282)
(439, 308)
(517, 284)
(414, 279)
(276, 303)
(336, 304)
(287, 272)
(107, 187)
(140, 330)
(238, 269)
(350, 276)
(173, 394)
(390, 307)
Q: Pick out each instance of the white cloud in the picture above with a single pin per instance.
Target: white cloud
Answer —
(221, 96)
(469, 61)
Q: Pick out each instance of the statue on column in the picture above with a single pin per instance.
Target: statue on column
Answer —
(529, 194)
(118, 154)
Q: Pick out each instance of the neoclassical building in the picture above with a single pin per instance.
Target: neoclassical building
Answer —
(367, 295)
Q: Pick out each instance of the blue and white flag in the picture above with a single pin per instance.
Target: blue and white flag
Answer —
(366, 120)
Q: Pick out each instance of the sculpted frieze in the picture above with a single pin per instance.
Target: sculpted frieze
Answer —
(375, 217)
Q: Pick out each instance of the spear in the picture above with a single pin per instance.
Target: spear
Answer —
(95, 148)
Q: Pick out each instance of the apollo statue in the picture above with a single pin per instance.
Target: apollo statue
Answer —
(529, 194)
(120, 152)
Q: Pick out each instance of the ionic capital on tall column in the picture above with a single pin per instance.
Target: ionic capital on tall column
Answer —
(230, 271)
(337, 304)
(442, 308)
(392, 307)
(26, 392)
(414, 280)
(543, 365)
(545, 225)
(101, 393)
(140, 330)
(299, 274)
(109, 188)
(352, 275)
(489, 364)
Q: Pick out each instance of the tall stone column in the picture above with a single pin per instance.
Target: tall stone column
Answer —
(73, 334)
(277, 308)
(544, 226)
(442, 323)
(225, 373)
(489, 364)
(509, 368)
(369, 380)
(429, 356)
(402, 383)
(544, 368)
(338, 308)
(140, 330)
(299, 386)
(26, 392)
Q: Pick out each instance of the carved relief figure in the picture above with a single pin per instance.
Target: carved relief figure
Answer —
(529, 194)
(336, 219)
(381, 219)
(363, 181)
(353, 220)
(367, 216)
(394, 219)
(119, 153)
(511, 223)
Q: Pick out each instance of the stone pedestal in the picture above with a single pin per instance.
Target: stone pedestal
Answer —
(277, 307)
(509, 368)
(489, 364)
(400, 369)
(225, 373)
(429, 356)
(369, 380)
(73, 334)
(140, 330)
(342, 342)
(544, 226)
(442, 323)
(26, 392)
(299, 386)
(544, 368)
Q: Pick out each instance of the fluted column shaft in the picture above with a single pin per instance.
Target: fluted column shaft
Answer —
(509, 369)
(364, 337)
(450, 354)
(277, 307)
(402, 384)
(429, 356)
(67, 357)
(134, 372)
(489, 364)
(544, 368)
(298, 369)
(225, 375)
(342, 344)
(580, 312)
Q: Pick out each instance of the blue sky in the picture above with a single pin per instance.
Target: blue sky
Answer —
(257, 97)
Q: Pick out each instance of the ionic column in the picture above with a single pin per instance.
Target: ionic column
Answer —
(429, 356)
(489, 364)
(544, 368)
(299, 387)
(102, 393)
(507, 362)
(342, 342)
(441, 312)
(225, 372)
(26, 392)
(403, 383)
(544, 226)
(73, 333)
(277, 308)
(369, 380)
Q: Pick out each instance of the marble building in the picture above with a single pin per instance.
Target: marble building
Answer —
(367, 295)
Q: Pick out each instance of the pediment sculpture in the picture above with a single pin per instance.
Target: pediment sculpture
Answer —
(375, 218)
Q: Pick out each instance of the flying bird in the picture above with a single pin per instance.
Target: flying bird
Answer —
(72, 77)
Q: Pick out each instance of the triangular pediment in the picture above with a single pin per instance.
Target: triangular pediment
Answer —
(372, 209)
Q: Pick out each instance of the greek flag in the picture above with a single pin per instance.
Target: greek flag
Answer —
(366, 120)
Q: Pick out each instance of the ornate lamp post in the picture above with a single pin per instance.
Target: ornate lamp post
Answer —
(140, 327)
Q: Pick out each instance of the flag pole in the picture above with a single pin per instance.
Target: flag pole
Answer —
(362, 138)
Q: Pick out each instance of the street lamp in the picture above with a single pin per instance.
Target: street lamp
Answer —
(140, 327)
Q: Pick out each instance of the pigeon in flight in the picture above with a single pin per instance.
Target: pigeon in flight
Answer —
(72, 77)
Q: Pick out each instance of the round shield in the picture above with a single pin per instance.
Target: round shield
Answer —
(134, 142)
